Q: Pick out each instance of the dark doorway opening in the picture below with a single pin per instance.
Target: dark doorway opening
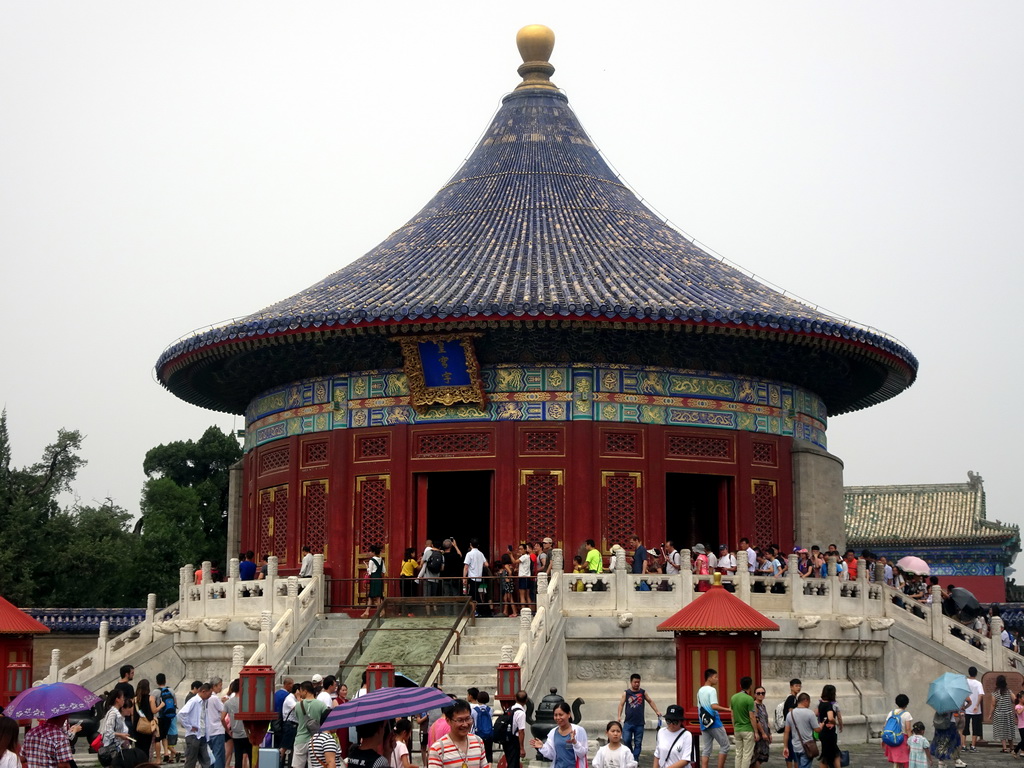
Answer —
(695, 510)
(458, 504)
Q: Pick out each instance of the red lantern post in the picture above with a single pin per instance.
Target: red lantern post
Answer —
(256, 704)
(380, 676)
(509, 682)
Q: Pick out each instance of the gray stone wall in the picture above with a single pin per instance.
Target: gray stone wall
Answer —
(817, 497)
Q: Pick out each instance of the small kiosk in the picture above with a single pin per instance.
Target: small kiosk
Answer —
(17, 629)
(718, 631)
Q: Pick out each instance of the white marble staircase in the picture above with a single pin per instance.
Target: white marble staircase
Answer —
(324, 650)
(478, 656)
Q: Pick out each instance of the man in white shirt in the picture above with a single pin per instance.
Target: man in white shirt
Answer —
(193, 719)
(972, 709)
(215, 723)
(515, 750)
(745, 548)
(326, 695)
(306, 569)
(672, 559)
(726, 561)
(473, 569)
(524, 573)
(674, 745)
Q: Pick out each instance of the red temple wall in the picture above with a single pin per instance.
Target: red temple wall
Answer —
(343, 490)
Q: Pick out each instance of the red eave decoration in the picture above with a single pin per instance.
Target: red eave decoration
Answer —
(718, 610)
(14, 621)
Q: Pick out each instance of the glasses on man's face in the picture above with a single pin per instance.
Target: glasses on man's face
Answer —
(463, 720)
(759, 693)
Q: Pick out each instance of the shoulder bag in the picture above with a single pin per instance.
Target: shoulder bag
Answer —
(810, 745)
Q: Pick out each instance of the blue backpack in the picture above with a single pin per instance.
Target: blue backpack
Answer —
(892, 733)
(484, 726)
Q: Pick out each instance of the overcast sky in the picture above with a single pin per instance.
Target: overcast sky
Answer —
(168, 166)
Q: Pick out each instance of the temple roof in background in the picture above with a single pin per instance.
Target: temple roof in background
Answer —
(14, 621)
(901, 515)
(535, 226)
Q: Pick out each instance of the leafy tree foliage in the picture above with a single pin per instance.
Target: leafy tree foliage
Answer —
(184, 506)
(52, 556)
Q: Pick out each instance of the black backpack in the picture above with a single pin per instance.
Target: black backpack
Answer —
(435, 562)
(503, 733)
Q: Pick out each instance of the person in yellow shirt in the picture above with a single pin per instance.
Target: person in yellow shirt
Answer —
(595, 563)
(410, 567)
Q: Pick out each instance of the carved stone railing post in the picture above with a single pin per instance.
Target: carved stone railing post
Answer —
(150, 618)
(266, 624)
(270, 583)
(793, 586)
(686, 574)
(318, 566)
(938, 624)
(237, 660)
(743, 582)
(623, 583)
(233, 572)
(54, 676)
(557, 561)
(185, 579)
(542, 590)
(508, 652)
(997, 653)
(101, 644)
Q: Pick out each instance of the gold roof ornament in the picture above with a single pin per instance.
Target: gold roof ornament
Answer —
(535, 43)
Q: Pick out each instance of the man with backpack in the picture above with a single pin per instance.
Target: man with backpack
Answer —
(168, 712)
(483, 725)
(510, 731)
(783, 709)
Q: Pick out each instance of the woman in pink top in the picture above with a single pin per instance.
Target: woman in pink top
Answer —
(1018, 707)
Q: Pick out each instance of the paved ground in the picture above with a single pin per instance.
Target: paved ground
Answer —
(861, 756)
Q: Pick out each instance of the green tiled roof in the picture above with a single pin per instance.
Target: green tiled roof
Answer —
(945, 513)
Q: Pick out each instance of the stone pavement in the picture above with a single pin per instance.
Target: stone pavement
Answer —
(861, 756)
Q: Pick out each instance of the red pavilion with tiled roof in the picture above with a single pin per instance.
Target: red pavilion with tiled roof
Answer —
(717, 631)
(17, 629)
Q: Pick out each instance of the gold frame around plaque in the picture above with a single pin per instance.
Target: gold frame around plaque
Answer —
(420, 395)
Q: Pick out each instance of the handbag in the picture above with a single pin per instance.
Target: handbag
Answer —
(106, 754)
(707, 720)
(144, 726)
(844, 757)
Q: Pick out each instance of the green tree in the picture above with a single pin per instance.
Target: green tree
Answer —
(31, 518)
(184, 506)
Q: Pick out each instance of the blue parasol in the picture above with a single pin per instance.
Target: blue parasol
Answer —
(948, 692)
(384, 704)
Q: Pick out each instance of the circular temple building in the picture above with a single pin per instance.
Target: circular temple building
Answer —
(535, 353)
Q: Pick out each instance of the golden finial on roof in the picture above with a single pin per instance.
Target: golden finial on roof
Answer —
(535, 42)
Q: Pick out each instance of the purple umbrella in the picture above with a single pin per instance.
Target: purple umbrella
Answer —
(383, 704)
(50, 700)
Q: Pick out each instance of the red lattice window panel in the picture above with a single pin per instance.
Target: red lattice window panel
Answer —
(272, 522)
(372, 497)
(542, 441)
(314, 515)
(314, 453)
(621, 506)
(541, 501)
(763, 453)
(764, 505)
(622, 443)
(693, 447)
(454, 444)
(374, 447)
(273, 461)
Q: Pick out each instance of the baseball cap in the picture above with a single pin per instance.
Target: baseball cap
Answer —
(317, 678)
(674, 713)
(723, 546)
(548, 540)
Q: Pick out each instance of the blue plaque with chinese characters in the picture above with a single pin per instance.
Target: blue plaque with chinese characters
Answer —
(444, 364)
(442, 369)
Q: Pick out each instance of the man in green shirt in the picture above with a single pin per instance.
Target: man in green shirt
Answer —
(742, 705)
(307, 709)
(594, 561)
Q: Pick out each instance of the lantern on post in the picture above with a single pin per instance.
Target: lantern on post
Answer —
(256, 704)
(509, 682)
(19, 677)
(380, 676)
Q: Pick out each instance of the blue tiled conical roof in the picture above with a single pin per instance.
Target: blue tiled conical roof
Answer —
(535, 225)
